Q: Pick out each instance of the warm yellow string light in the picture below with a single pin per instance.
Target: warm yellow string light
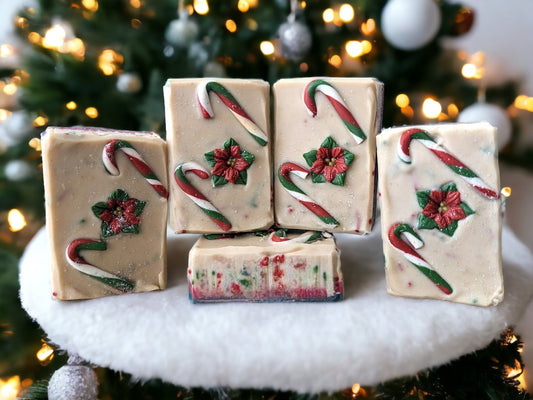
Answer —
(45, 354)
(10, 388)
(16, 220)
(267, 47)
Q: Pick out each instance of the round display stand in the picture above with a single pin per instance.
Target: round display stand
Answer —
(369, 337)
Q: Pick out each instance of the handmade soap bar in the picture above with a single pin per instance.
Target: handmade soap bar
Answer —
(106, 211)
(273, 267)
(324, 152)
(219, 155)
(440, 212)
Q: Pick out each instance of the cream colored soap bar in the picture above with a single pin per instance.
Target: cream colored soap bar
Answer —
(440, 212)
(106, 211)
(219, 155)
(274, 267)
(324, 154)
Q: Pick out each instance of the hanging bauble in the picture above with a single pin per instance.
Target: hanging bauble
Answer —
(491, 113)
(295, 39)
(198, 54)
(215, 70)
(73, 382)
(129, 82)
(17, 127)
(18, 170)
(181, 32)
(410, 24)
(463, 21)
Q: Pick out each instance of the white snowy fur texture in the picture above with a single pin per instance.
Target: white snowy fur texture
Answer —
(369, 337)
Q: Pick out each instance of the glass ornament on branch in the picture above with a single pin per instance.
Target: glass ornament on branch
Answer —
(294, 36)
(181, 32)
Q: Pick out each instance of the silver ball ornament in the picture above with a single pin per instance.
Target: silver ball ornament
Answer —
(17, 127)
(181, 32)
(295, 39)
(129, 82)
(73, 382)
(410, 24)
(491, 113)
(18, 170)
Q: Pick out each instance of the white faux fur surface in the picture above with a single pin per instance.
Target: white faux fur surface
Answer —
(369, 337)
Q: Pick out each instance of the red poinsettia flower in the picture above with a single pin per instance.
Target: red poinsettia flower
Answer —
(229, 163)
(120, 215)
(329, 162)
(444, 207)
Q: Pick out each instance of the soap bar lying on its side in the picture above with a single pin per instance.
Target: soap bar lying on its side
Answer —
(250, 267)
(441, 212)
(325, 152)
(106, 211)
(219, 155)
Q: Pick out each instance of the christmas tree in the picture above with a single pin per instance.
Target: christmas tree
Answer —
(104, 63)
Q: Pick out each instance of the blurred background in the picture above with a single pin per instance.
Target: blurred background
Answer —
(103, 63)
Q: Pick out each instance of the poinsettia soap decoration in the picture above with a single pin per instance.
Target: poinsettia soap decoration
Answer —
(219, 141)
(442, 209)
(229, 164)
(441, 212)
(106, 197)
(332, 186)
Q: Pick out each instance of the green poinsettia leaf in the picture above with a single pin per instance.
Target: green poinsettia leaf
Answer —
(310, 157)
(450, 229)
(423, 197)
(120, 195)
(106, 230)
(282, 232)
(242, 178)
(248, 157)
(317, 178)
(468, 211)
(130, 229)
(348, 157)
(99, 208)
(218, 180)
(449, 187)
(230, 142)
(139, 207)
(426, 223)
(339, 179)
(329, 143)
(210, 158)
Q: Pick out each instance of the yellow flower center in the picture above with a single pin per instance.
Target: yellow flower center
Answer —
(330, 161)
(231, 162)
(443, 207)
(118, 211)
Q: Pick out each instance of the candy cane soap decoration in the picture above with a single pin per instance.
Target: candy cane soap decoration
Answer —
(345, 111)
(203, 116)
(76, 180)
(426, 180)
(199, 199)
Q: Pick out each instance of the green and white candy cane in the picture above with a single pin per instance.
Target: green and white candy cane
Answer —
(79, 263)
(404, 239)
(202, 95)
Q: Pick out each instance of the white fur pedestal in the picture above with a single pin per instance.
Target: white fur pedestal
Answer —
(369, 337)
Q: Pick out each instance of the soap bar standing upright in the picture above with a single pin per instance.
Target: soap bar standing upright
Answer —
(219, 155)
(276, 266)
(441, 212)
(324, 154)
(106, 211)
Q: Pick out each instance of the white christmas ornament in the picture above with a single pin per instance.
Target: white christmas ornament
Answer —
(73, 382)
(17, 127)
(410, 24)
(295, 39)
(129, 82)
(492, 114)
(18, 170)
(181, 32)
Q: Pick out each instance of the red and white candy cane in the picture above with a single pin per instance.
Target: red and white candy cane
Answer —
(404, 239)
(111, 166)
(284, 174)
(202, 94)
(320, 85)
(445, 156)
(198, 198)
(79, 263)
